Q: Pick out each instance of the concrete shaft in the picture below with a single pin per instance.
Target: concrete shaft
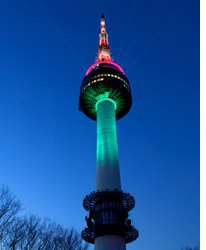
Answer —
(110, 242)
(108, 174)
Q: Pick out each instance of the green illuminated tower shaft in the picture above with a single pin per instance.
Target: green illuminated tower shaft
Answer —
(108, 174)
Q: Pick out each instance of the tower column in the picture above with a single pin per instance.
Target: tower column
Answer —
(110, 242)
(108, 174)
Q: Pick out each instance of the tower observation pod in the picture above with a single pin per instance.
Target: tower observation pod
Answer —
(105, 96)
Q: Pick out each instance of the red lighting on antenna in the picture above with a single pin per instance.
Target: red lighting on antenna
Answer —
(104, 49)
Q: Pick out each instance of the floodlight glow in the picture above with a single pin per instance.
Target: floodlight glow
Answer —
(108, 174)
(106, 99)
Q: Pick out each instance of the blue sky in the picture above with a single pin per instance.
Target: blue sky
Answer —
(48, 147)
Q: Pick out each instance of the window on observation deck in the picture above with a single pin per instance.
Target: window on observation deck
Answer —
(97, 79)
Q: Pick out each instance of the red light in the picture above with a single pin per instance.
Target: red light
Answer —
(96, 64)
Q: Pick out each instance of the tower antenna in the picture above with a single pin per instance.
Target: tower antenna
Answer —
(104, 49)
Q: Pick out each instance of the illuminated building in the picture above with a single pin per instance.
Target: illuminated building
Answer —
(105, 96)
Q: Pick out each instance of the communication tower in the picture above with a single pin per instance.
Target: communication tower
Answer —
(105, 96)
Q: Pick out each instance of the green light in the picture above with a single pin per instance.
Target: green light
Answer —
(108, 174)
(104, 99)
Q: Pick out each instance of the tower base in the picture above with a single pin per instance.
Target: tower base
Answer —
(108, 217)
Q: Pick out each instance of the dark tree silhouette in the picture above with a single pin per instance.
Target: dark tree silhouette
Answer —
(31, 232)
(9, 207)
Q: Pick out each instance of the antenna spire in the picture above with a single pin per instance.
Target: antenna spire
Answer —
(104, 49)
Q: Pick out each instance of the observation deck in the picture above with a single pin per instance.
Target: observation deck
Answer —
(105, 79)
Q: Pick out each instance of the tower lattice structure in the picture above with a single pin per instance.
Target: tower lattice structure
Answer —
(105, 96)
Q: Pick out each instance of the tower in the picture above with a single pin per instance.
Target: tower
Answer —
(105, 96)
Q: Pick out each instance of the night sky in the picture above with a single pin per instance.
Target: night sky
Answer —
(48, 147)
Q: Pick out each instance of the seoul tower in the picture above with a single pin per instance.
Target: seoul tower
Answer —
(105, 96)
